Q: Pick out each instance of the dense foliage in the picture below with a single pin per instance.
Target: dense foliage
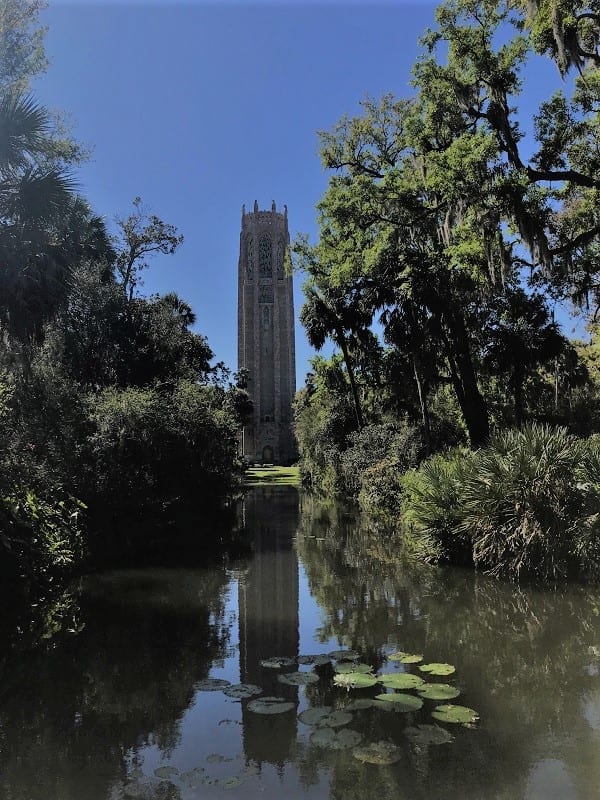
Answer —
(454, 224)
(113, 423)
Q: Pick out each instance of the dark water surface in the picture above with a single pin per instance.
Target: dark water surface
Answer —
(115, 689)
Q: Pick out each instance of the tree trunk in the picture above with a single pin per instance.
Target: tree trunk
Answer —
(464, 379)
(348, 362)
(423, 404)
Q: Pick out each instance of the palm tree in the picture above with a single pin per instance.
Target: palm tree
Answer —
(35, 195)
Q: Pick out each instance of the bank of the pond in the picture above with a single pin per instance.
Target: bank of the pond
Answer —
(271, 475)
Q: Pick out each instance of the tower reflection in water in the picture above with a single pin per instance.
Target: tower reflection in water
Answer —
(269, 617)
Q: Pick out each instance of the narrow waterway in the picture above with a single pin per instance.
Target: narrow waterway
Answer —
(127, 692)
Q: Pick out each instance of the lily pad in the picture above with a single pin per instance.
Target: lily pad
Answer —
(378, 753)
(359, 704)
(437, 669)
(350, 666)
(457, 714)
(438, 691)
(398, 701)
(423, 735)
(276, 662)
(335, 740)
(355, 680)
(270, 705)
(166, 772)
(343, 655)
(400, 680)
(318, 660)
(212, 685)
(239, 691)
(298, 678)
(217, 758)
(406, 658)
(315, 715)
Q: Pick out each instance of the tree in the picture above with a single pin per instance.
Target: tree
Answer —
(22, 55)
(140, 236)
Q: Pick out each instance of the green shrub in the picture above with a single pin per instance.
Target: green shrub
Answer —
(380, 490)
(433, 503)
(40, 538)
(531, 503)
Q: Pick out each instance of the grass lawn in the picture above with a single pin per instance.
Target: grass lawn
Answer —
(272, 476)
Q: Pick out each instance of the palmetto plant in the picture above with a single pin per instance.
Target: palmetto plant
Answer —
(530, 504)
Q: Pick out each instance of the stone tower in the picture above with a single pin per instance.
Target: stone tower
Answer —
(266, 347)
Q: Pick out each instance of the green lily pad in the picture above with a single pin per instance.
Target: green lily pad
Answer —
(166, 772)
(298, 678)
(437, 669)
(343, 655)
(438, 691)
(398, 701)
(270, 705)
(135, 789)
(359, 704)
(405, 658)
(335, 740)
(336, 719)
(400, 680)
(423, 735)
(217, 758)
(318, 660)
(314, 716)
(240, 691)
(211, 685)
(378, 753)
(276, 662)
(351, 666)
(457, 714)
(355, 680)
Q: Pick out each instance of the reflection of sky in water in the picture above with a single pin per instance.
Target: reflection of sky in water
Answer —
(549, 780)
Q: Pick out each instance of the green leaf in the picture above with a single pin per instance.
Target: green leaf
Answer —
(437, 669)
(398, 701)
(455, 714)
(400, 680)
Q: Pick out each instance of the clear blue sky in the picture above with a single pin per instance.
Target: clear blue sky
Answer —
(201, 107)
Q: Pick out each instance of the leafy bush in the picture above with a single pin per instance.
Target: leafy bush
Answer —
(433, 502)
(531, 504)
(380, 489)
(40, 537)
(527, 503)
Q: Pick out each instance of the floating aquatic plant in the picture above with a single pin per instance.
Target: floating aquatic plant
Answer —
(240, 691)
(194, 778)
(319, 660)
(343, 655)
(438, 691)
(211, 685)
(298, 678)
(400, 680)
(406, 658)
(352, 666)
(276, 662)
(166, 772)
(335, 740)
(270, 705)
(398, 701)
(437, 669)
(355, 680)
(378, 753)
(456, 714)
(325, 716)
(423, 735)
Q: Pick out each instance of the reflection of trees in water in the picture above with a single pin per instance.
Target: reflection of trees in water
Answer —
(125, 681)
(522, 654)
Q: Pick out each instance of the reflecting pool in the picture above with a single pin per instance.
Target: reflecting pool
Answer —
(150, 683)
